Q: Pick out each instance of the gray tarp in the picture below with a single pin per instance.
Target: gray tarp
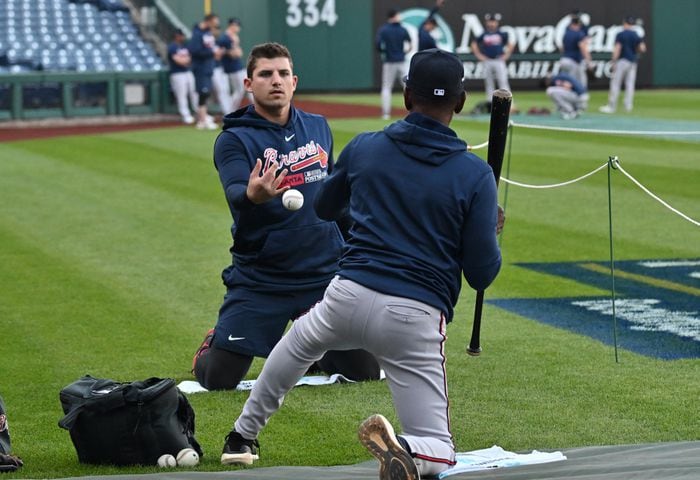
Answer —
(659, 461)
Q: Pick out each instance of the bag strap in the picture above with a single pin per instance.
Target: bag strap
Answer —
(91, 393)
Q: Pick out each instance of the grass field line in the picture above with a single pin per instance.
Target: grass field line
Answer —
(645, 279)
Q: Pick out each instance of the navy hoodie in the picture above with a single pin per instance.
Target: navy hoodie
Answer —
(201, 47)
(274, 248)
(390, 41)
(424, 212)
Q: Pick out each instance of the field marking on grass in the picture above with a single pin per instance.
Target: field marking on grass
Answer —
(669, 263)
(655, 282)
(657, 308)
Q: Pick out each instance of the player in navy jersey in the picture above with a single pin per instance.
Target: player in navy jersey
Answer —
(425, 38)
(232, 62)
(628, 46)
(220, 80)
(282, 260)
(576, 58)
(181, 78)
(493, 49)
(392, 42)
(204, 53)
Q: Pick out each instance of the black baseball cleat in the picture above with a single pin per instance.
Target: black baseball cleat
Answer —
(238, 450)
(395, 463)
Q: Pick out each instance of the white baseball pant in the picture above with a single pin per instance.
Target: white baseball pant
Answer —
(391, 72)
(495, 73)
(236, 81)
(222, 88)
(624, 71)
(182, 85)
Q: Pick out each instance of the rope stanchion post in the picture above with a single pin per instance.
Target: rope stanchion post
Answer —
(613, 163)
(505, 193)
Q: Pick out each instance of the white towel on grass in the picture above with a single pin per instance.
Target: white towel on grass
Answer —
(496, 457)
(190, 386)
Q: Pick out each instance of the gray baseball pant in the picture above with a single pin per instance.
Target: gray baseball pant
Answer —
(182, 85)
(238, 87)
(575, 69)
(391, 72)
(495, 73)
(566, 100)
(624, 71)
(408, 339)
(222, 87)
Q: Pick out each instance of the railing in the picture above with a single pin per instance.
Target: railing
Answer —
(45, 95)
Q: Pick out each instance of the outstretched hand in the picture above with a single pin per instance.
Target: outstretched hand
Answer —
(262, 188)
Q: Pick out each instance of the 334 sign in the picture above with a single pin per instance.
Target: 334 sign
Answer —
(311, 13)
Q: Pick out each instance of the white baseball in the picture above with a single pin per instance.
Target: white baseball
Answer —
(292, 199)
(167, 461)
(187, 457)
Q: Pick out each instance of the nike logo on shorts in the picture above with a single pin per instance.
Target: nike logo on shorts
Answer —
(231, 338)
(288, 138)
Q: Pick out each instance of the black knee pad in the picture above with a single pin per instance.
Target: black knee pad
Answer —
(219, 369)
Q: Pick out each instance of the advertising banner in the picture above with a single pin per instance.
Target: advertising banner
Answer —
(535, 28)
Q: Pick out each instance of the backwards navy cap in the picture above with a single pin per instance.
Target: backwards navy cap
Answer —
(435, 73)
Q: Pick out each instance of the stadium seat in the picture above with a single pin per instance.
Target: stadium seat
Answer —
(33, 33)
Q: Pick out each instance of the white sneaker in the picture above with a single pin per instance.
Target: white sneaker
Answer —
(206, 126)
(188, 120)
(606, 109)
(386, 117)
(569, 115)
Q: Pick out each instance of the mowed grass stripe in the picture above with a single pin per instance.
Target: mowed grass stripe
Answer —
(135, 238)
(186, 172)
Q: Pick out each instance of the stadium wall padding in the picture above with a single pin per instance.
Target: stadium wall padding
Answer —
(677, 42)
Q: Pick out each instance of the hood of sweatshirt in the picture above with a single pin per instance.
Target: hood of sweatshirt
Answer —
(425, 139)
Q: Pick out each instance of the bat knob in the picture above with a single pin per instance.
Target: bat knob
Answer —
(474, 352)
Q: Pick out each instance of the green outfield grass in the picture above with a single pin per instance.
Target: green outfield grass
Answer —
(112, 245)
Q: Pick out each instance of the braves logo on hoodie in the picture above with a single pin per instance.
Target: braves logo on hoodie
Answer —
(297, 160)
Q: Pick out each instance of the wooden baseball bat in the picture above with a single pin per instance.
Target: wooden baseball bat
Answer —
(498, 133)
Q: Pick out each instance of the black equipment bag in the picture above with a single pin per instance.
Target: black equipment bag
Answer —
(127, 423)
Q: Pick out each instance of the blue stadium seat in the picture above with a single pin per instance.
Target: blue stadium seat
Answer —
(60, 35)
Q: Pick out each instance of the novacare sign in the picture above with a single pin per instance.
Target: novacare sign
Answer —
(535, 27)
(537, 48)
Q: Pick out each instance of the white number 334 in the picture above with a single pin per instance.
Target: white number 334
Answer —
(309, 13)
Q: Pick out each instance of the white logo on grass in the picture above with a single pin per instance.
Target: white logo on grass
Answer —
(647, 317)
